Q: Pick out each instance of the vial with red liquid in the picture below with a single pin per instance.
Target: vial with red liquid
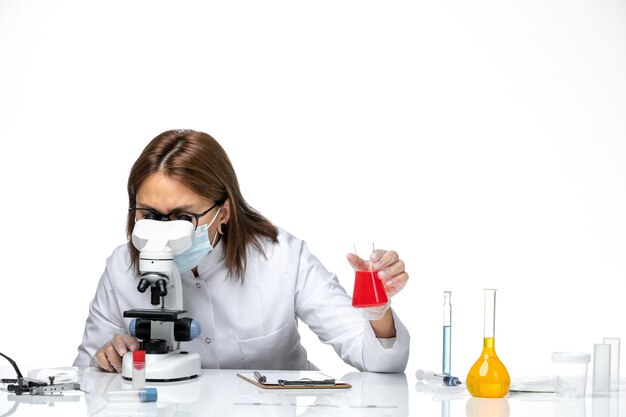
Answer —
(139, 369)
(368, 288)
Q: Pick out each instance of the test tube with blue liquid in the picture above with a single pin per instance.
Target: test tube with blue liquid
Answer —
(447, 334)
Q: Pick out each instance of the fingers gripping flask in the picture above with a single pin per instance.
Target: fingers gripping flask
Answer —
(488, 377)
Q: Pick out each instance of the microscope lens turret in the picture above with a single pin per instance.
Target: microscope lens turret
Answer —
(162, 287)
(143, 285)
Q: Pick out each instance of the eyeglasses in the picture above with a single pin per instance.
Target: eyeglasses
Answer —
(139, 213)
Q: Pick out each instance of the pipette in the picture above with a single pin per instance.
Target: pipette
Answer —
(429, 376)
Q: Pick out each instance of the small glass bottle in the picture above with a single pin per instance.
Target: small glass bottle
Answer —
(139, 369)
(488, 377)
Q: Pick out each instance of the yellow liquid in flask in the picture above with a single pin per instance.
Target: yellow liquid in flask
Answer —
(488, 377)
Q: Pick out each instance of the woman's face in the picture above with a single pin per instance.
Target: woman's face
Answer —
(165, 195)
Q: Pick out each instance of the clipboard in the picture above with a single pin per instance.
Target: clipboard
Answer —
(292, 380)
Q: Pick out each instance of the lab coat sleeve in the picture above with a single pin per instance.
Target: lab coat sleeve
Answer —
(323, 304)
(105, 318)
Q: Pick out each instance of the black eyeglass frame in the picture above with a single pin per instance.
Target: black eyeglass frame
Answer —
(167, 217)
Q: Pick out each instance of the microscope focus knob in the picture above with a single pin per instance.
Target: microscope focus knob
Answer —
(139, 328)
(186, 329)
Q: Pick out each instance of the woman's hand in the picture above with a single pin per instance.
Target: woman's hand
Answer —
(109, 356)
(391, 272)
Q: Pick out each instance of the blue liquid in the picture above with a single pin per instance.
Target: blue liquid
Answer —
(447, 335)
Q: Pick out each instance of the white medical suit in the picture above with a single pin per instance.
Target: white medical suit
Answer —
(251, 325)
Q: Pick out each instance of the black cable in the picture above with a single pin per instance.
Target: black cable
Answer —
(12, 362)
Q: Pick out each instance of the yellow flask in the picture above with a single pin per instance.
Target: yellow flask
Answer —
(488, 377)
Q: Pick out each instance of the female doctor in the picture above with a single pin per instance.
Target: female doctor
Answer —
(245, 280)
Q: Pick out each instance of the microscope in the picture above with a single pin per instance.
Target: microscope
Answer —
(161, 329)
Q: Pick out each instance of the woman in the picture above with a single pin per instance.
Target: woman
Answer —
(245, 280)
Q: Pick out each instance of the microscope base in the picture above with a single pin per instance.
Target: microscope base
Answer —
(165, 367)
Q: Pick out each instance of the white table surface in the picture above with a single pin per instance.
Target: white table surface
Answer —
(222, 393)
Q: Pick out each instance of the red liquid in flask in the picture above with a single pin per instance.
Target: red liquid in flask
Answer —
(368, 290)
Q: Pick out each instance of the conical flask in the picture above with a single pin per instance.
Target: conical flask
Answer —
(488, 377)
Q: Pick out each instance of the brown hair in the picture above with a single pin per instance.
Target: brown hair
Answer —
(200, 163)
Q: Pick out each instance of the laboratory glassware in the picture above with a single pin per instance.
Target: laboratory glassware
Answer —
(614, 342)
(144, 395)
(570, 374)
(601, 368)
(139, 369)
(447, 334)
(488, 376)
(368, 288)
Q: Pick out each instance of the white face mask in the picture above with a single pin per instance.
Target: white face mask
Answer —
(200, 248)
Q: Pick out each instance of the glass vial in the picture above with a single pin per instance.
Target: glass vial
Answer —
(144, 395)
(447, 334)
(139, 369)
(614, 342)
(488, 376)
(601, 368)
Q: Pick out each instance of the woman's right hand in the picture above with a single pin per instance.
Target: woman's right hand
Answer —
(109, 356)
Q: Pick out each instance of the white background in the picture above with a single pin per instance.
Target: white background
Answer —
(485, 141)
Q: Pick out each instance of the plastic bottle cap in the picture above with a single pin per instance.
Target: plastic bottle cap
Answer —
(149, 395)
(139, 356)
(571, 357)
